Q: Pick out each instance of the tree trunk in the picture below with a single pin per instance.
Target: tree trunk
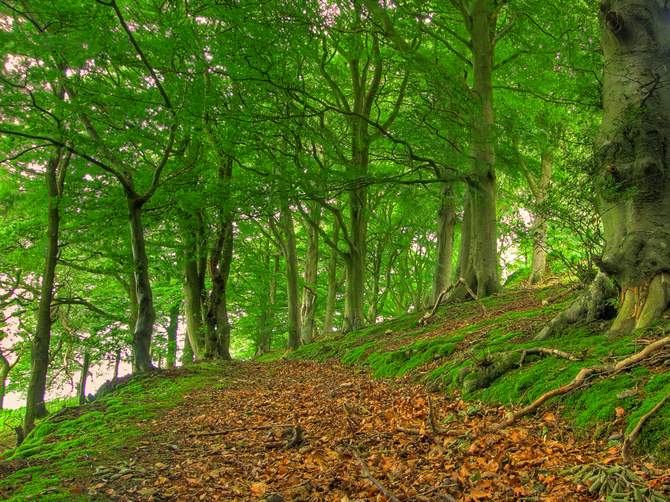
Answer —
(446, 219)
(172, 337)
(266, 324)
(117, 363)
(291, 257)
(81, 388)
(634, 155)
(146, 315)
(376, 279)
(355, 262)
(5, 368)
(539, 227)
(309, 294)
(331, 299)
(35, 407)
(217, 343)
(194, 283)
(479, 251)
(187, 352)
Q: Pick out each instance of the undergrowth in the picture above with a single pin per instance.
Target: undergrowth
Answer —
(461, 336)
(67, 445)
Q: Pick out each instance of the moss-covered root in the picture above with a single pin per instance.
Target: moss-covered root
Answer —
(493, 367)
(591, 305)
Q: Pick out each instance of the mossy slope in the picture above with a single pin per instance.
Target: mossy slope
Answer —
(69, 445)
(469, 334)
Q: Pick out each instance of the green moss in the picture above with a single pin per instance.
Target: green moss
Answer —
(64, 447)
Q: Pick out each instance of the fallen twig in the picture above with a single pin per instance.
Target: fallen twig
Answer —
(365, 470)
(296, 438)
(626, 449)
(429, 315)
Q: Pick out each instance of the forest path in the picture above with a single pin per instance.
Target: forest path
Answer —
(342, 414)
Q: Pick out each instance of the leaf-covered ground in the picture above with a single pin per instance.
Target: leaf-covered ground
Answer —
(326, 429)
(217, 447)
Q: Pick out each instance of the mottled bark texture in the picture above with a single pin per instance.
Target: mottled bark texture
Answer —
(632, 168)
(634, 158)
(539, 187)
(309, 291)
(446, 223)
(479, 256)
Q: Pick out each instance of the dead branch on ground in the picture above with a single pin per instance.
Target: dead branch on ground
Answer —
(626, 449)
(365, 470)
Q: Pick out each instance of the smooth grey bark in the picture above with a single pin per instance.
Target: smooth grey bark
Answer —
(539, 189)
(172, 337)
(633, 151)
(331, 297)
(56, 169)
(479, 256)
(376, 279)
(310, 274)
(83, 377)
(446, 224)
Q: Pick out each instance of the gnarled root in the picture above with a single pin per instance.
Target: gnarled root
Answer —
(585, 375)
(591, 305)
(495, 366)
(642, 305)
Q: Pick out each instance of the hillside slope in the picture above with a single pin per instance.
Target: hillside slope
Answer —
(460, 350)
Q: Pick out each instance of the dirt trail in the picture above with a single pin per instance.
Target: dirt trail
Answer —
(342, 414)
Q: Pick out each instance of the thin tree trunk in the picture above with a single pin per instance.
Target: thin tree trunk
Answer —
(446, 218)
(5, 368)
(309, 292)
(194, 284)
(376, 278)
(266, 323)
(35, 407)
(291, 257)
(539, 227)
(172, 337)
(355, 261)
(81, 388)
(117, 363)
(331, 298)
(146, 315)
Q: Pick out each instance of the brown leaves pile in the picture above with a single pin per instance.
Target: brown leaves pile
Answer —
(235, 444)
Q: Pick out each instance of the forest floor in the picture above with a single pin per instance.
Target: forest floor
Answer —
(319, 426)
(235, 439)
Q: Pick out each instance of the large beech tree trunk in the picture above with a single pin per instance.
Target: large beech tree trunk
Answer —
(265, 320)
(35, 407)
(633, 149)
(479, 256)
(309, 295)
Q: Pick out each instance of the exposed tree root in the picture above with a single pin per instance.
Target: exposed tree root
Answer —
(626, 449)
(494, 367)
(591, 305)
(365, 470)
(586, 374)
(428, 317)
